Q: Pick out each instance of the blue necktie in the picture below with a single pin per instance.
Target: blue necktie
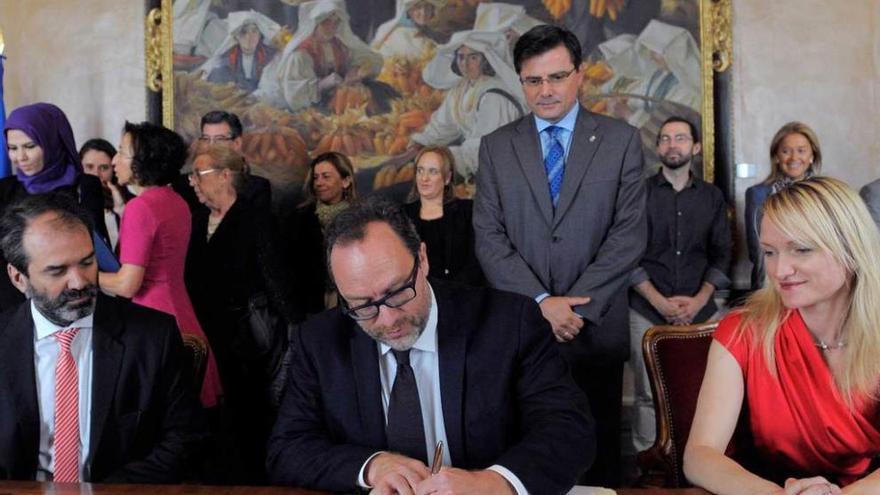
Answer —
(554, 162)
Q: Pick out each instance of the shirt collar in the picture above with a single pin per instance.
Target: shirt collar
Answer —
(427, 341)
(566, 123)
(661, 180)
(44, 328)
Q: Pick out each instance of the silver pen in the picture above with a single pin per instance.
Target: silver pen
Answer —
(438, 458)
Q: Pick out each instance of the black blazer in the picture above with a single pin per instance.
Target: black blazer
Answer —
(507, 397)
(460, 260)
(145, 415)
(307, 259)
(239, 261)
(89, 194)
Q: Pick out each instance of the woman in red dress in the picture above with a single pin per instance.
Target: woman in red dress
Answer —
(801, 356)
(154, 235)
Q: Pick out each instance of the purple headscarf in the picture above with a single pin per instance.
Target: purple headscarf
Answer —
(47, 126)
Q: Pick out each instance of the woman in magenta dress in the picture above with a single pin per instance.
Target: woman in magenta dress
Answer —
(154, 234)
(801, 356)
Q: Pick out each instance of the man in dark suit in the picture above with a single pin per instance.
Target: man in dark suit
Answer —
(91, 388)
(404, 363)
(224, 128)
(559, 217)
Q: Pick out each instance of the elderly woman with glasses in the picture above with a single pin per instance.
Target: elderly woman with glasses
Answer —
(232, 263)
(154, 234)
(444, 223)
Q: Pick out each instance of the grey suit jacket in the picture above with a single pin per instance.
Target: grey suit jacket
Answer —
(871, 194)
(589, 244)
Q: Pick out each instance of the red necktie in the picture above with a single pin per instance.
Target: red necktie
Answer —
(66, 411)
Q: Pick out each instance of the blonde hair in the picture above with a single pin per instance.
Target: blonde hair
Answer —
(224, 158)
(447, 162)
(826, 213)
(795, 127)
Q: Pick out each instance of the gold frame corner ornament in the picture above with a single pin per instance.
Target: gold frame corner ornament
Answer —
(716, 53)
(159, 61)
(722, 39)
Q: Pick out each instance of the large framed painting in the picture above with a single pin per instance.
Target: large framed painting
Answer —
(376, 79)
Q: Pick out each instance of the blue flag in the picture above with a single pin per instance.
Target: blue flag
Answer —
(5, 169)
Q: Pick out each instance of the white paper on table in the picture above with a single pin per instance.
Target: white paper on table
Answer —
(590, 490)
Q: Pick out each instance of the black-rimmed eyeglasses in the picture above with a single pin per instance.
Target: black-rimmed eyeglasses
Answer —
(393, 299)
(215, 139)
(553, 79)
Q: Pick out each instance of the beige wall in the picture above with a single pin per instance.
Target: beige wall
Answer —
(814, 61)
(87, 57)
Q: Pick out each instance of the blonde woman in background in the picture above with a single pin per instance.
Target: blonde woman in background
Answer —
(443, 222)
(794, 155)
(329, 188)
(800, 356)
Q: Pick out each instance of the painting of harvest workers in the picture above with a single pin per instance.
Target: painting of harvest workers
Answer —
(379, 79)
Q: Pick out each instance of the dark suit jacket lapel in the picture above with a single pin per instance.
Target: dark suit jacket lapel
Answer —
(452, 349)
(365, 364)
(527, 147)
(17, 366)
(108, 353)
(580, 156)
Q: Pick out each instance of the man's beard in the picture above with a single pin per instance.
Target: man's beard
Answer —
(675, 164)
(415, 324)
(60, 310)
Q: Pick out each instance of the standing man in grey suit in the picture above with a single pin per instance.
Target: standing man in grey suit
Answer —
(559, 216)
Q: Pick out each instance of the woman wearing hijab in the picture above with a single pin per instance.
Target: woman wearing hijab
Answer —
(42, 149)
(484, 93)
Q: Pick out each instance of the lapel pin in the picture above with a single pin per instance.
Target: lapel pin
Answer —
(592, 138)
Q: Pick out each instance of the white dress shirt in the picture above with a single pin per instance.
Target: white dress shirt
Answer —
(112, 223)
(46, 350)
(423, 358)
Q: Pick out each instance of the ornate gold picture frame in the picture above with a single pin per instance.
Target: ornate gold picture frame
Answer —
(283, 134)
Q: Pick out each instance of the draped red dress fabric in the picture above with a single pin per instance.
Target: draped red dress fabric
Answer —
(799, 421)
(155, 235)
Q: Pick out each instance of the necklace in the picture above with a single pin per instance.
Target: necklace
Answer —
(840, 344)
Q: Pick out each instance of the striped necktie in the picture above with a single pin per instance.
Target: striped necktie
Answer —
(66, 411)
(554, 162)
